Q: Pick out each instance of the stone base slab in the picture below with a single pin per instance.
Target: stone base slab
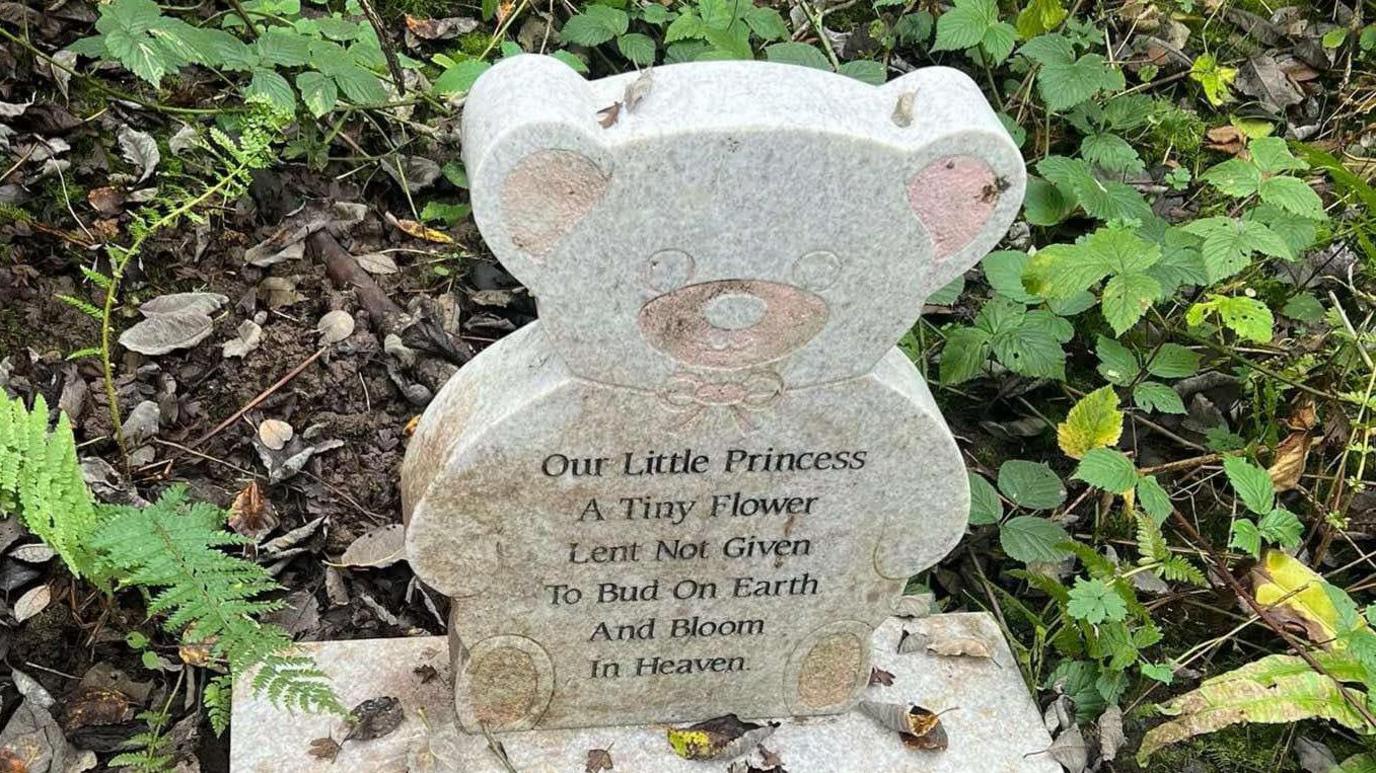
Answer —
(991, 722)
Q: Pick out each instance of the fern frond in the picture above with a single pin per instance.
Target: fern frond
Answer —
(1151, 543)
(85, 307)
(218, 699)
(294, 682)
(41, 482)
(1179, 569)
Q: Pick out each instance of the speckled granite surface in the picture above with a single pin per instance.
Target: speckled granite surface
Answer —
(992, 724)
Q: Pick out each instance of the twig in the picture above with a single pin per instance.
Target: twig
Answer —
(1182, 464)
(251, 404)
(389, 49)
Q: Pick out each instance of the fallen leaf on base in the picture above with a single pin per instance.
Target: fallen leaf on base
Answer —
(325, 748)
(377, 549)
(598, 761)
(918, 727)
(375, 718)
(879, 676)
(722, 737)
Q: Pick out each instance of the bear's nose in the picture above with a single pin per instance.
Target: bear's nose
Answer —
(734, 311)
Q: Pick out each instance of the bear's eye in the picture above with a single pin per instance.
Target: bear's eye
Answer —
(816, 271)
(668, 270)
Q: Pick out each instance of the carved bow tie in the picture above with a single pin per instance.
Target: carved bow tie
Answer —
(691, 394)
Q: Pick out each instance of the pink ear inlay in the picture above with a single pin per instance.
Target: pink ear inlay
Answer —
(953, 196)
(545, 196)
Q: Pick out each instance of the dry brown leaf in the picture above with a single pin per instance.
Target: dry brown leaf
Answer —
(376, 263)
(418, 230)
(375, 718)
(251, 514)
(770, 759)
(427, 673)
(107, 200)
(199, 654)
(11, 761)
(960, 646)
(335, 326)
(1291, 455)
(275, 433)
(918, 727)
(377, 549)
(879, 676)
(598, 761)
(607, 116)
(723, 737)
(325, 748)
(1227, 139)
(97, 706)
(33, 601)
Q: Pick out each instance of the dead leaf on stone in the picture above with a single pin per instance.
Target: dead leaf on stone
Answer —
(376, 263)
(598, 761)
(918, 727)
(140, 149)
(418, 230)
(770, 759)
(1111, 735)
(252, 514)
(275, 433)
(608, 116)
(637, 90)
(1070, 750)
(903, 110)
(879, 676)
(960, 646)
(250, 335)
(722, 737)
(163, 333)
(378, 549)
(97, 706)
(324, 748)
(1291, 455)
(427, 673)
(335, 326)
(33, 601)
(375, 718)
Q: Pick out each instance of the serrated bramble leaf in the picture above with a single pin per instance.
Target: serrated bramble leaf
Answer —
(1003, 269)
(1064, 85)
(688, 26)
(596, 25)
(766, 23)
(865, 71)
(461, 77)
(1173, 361)
(999, 40)
(1127, 297)
(1234, 177)
(1248, 317)
(1272, 155)
(1040, 16)
(797, 53)
(637, 48)
(318, 92)
(1108, 469)
(985, 505)
(1112, 153)
(267, 85)
(1293, 195)
(1151, 396)
(1032, 485)
(1030, 538)
(360, 85)
(1094, 422)
(1214, 78)
(964, 25)
(1117, 363)
(964, 355)
(1252, 484)
(1281, 527)
(1045, 204)
(1153, 498)
(1245, 537)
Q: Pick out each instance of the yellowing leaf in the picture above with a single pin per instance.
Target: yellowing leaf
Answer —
(721, 737)
(1295, 592)
(419, 231)
(1094, 422)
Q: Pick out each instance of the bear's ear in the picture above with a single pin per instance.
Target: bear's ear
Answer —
(536, 165)
(964, 178)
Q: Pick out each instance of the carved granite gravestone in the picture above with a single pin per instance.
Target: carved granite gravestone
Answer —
(699, 482)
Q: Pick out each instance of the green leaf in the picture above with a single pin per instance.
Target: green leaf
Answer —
(1112, 153)
(279, 47)
(1093, 422)
(1173, 361)
(865, 70)
(948, 295)
(361, 86)
(1045, 204)
(1031, 485)
(1293, 195)
(1108, 469)
(1095, 602)
(572, 60)
(985, 505)
(138, 53)
(1303, 307)
(964, 25)
(1117, 363)
(687, 26)
(964, 355)
(1151, 396)
(92, 47)
(1038, 17)
(1245, 537)
(1272, 155)
(1003, 269)
(461, 77)
(1127, 297)
(720, 14)
(1252, 484)
(1030, 538)
(1229, 244)
(318, 92)
(1248, 317)
(1064, 85)
(1234, 177)
(273, 88)
(998, 41)
(638, 48)
(1281, 527)
(766, 23)
(596, 25)
(1153, 498)
(797, 53)
(1214, 78)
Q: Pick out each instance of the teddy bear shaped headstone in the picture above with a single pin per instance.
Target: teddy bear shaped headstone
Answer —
(701, 479)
